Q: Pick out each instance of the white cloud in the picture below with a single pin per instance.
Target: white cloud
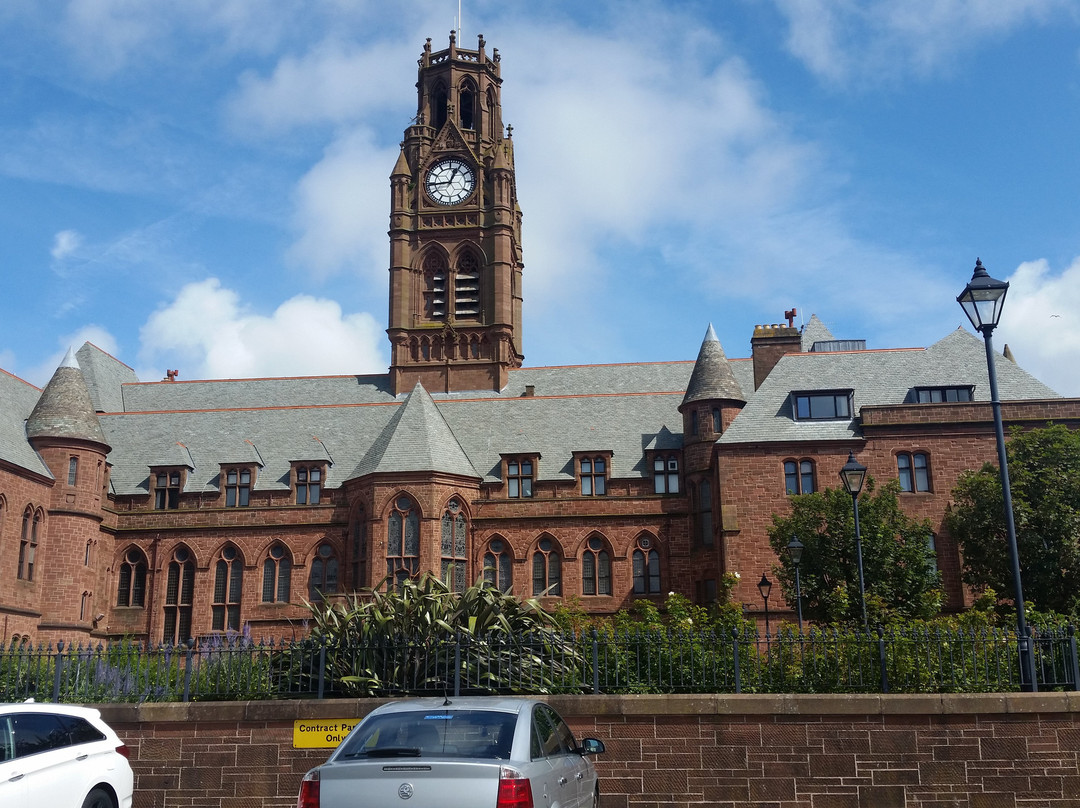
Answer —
(323, 86)
(101, 337)
(65, 243)
(841, 40)
(341, 207)
(1041, 323)
(655, 136)
(207, 332)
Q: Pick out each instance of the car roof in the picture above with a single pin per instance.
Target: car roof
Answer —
(48, 707)
(504, 704)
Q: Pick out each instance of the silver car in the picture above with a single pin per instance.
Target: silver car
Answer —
(474, 752)
(61, 756)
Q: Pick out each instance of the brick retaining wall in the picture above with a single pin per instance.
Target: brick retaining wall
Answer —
(970, 751)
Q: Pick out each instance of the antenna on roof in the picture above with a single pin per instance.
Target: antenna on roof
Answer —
(460, 30)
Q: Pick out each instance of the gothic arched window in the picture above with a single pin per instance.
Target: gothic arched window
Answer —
(179, 591)
(438, 107)
(467, 105)
(228, 590)
(403, 541)
(131, 587)
(454, 541)
(277, 575)
(547, 568)
(498, 565)
(28, 542)
(596, 569)
(467, 287)
(646, 567)
(324, 573)
(435, 271)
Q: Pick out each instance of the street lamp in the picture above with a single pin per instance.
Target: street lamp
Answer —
(765, 587)
(795, 551)
(981, 301)
(852, 476)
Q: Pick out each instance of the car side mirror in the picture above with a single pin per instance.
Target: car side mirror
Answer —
(591, 746)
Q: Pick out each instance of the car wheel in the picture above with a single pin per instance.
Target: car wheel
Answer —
(98, 798)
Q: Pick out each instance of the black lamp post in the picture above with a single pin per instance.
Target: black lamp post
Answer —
(765, 587)
(982, 300)
(852, 475)
(795, 551)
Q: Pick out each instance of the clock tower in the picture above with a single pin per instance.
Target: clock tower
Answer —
(455, 231)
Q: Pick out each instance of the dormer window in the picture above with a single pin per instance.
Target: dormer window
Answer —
(520, 474)
(237, 487)
(308, 485)
(666, 474)
(592, 472)
(940, 395)
(167, 485)
(822, 405)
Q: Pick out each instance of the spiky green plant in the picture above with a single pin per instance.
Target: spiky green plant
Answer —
(422, 636)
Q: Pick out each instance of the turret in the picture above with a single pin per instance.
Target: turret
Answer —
(64, 429)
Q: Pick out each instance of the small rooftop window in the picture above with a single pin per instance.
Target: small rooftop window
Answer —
(938, 395)
(823, 405)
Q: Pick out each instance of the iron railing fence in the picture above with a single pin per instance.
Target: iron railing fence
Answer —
(832, 661)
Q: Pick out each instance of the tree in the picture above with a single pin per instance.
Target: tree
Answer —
(898, 565)
(1044, 472)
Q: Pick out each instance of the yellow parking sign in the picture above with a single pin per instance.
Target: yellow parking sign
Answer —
(325, 733)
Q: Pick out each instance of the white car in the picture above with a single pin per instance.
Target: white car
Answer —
(473, 752)
(61, 756)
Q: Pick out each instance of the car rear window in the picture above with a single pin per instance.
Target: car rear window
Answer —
(82, 731)
(475, 734)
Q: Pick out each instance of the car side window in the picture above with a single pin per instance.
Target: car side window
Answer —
(37, 732)
(80, 730)
(7, 743)
(566, 737)
(547, 732)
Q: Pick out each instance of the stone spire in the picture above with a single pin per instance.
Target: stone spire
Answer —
(712, 378)
(64, 409)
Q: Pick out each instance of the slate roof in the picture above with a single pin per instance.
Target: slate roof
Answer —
(17, 400)
(877, 377)
(814, 331)
(104, 375)
(64, 409)
(416, 438)
(712, 377)
(483, 429)
(355, 426)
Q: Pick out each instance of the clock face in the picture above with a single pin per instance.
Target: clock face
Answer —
(450, 181)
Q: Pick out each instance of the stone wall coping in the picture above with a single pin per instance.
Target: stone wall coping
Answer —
(808, 705)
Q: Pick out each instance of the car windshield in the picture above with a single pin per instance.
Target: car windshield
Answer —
(483, 734)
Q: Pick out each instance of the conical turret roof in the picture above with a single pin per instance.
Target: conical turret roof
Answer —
(64, 409)
(712, 377)
(417, 438)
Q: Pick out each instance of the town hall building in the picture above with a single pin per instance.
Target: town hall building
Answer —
(170, 510)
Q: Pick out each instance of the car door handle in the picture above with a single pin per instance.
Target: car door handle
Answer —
(562, 781)
(82, 757)
(16, 777)
(579, 775)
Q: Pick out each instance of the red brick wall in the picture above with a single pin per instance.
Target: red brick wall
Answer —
(968, 751)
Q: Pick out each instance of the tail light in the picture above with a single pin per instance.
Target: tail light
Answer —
(309, 790)
(515, 791)
(122, 749)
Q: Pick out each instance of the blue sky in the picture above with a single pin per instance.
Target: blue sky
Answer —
(204, 185)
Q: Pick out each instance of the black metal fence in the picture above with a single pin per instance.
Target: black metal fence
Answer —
(833, 661)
